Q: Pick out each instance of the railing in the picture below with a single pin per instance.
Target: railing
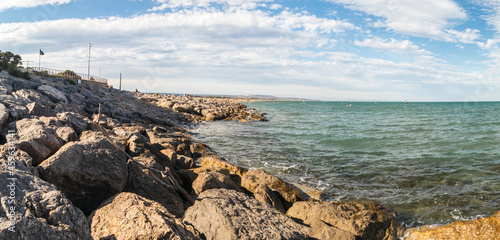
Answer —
(63, 74)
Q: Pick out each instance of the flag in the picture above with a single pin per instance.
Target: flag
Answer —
(41, 52)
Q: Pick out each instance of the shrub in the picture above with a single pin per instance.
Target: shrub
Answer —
(70, 81)
(19, 74)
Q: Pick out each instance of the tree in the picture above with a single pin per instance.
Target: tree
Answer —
(9, 62)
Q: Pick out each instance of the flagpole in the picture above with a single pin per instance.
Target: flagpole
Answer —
(39, 58)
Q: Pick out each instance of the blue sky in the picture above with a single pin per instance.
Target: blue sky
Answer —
(369, 50)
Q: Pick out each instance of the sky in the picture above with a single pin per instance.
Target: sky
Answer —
(361, 50)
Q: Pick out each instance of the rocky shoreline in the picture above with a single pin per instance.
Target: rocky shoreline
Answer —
(86, 162)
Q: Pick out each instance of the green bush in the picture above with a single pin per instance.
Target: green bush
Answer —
(19, 74)
(70, 81)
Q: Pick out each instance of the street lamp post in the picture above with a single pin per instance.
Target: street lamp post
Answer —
(88, 73)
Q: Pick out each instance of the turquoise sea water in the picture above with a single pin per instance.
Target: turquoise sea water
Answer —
(433, 163)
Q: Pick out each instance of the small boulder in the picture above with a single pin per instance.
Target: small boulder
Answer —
(291, 194)
(54, 94)
(27, 96)
(67, 134)
(37, 109)
(217, 162)
(210, 117)
(265, 195)
(37, 139)
(17, 112)
(183, 149)
(129, 216)
(88, 171)
(77, 121)
(184, 162)
(228, 214)
(141, 182)
(4, 115)
(199, 150)
(480, 229)
(213, 180)
(345, 220)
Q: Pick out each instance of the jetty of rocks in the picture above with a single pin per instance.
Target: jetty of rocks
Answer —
(88, 162)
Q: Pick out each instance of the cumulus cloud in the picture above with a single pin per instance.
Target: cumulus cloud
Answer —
(7, 4)
(432, 19)
(237, 48)
(404, 47)
(240, 4)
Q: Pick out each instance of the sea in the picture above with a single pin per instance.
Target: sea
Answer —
(431, 162)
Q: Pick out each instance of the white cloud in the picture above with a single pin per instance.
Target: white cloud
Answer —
(7, 4)
(239, 4)
(489, 44)
(432, 19)
(223, 51)
(404, 47)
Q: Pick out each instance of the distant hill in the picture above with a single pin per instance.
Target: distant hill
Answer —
(260, 97)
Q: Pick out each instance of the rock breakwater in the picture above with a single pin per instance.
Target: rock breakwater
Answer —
(72, 181)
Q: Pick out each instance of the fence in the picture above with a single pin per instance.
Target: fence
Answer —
(64, 74)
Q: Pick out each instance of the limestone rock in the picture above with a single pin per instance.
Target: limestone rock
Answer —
(345, 220)
(213, 180)
(88, 171)
(183, 149)
(209, 117)
(17, 112)
(480, 229)
(20, 156)
(199, 150)
(183, 162)
(4, 115)
(54, 94)
(29, 96)
(188, 176)
(40, 210)
(77, 121)
(228, 214)
(142, 183)
(265, 195)
(37, 139)
(215, 161)
(37, 109)
(67, 134)
(128, 216)
(138, 145)
(291, 194)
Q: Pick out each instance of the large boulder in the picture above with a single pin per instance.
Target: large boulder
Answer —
(138, 146)
(140, 181)
(199, 150)
(29, 95)
(217, 162)
(213, 180)
(128, 216)
(36, 138)
(4, 115)
(54, 94)
(290, 194)
(265, 195)
(228, 214)
(480, 229)
(77, 121)
(37, 104)
(88, 171)
(35, 209)
(345, 220)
